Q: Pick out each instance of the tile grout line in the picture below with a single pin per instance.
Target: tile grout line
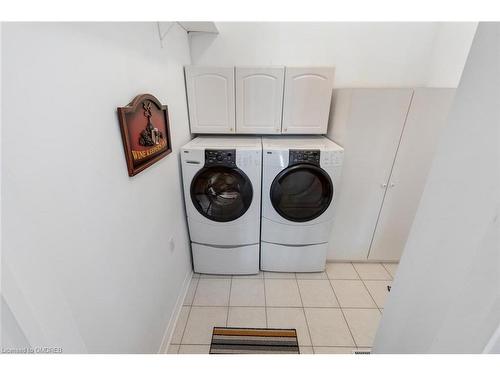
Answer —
(386, 270)
(342, 312)
(265, 299)
(189, 314)
(348, 327)
(378, 308)
(288, 307)
(348, 307)
(229, 299)
(305, 316)
(366, 288)
(327, 307)
(252, 306)
(291, 278)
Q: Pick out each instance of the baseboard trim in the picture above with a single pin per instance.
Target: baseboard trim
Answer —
(169, 331)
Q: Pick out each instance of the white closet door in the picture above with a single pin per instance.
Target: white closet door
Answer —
(210, 92)
(370, 131)
(307, 98)
(426, 118)
(259, 98)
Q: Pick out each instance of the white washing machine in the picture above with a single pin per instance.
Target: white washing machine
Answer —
(299, 175)
(222, 190)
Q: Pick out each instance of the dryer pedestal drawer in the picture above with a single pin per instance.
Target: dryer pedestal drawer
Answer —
(293, 234)
(284, 258)
(240, 260)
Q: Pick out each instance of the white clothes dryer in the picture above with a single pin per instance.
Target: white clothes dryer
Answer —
(298, 184)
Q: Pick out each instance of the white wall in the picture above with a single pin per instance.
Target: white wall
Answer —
(381, 54)
(87, 247)
(446, 295)
(12, 335)
(449, 53)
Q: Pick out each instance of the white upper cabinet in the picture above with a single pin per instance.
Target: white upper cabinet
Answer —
(259, 98)
(210, 93)
(307, 98)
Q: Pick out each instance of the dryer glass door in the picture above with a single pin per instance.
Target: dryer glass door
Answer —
(301, 192)
(221, 193)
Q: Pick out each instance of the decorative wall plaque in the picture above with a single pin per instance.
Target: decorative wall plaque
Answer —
(145, 132)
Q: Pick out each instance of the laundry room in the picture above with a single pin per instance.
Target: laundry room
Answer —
(249, 187)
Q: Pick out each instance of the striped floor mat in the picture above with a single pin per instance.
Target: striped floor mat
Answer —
(254, 341)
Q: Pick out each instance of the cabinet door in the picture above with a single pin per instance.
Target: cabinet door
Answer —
(306, 104)
(370, 127)
(259, 98)
(427, 116)
(210, 94)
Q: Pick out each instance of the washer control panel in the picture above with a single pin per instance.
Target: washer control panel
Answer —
(333, 158)
(304, 156)
(220, 157)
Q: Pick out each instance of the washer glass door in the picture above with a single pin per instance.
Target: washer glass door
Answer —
(221, 193)
(301, 192)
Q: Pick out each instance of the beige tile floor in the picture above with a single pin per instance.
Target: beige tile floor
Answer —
(336, 311)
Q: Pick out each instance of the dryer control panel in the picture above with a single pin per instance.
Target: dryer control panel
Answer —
(220, 157)
(304, 156)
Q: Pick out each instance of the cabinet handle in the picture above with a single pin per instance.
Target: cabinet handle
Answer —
(392, 184)
(285, 129)
(383, 185)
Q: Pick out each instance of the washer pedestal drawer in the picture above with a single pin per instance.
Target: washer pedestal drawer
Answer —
(285, 258)
(239, 260)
